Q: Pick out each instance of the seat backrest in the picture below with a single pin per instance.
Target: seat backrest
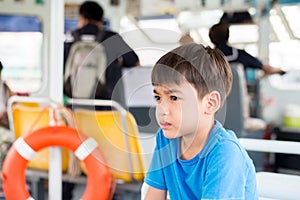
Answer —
(126, 162)
(232, 113)
(30, 117)
(138, 97)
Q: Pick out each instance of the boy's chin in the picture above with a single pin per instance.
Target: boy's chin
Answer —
(171, 134)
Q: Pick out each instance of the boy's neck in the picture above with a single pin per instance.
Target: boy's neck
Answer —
(191, 145)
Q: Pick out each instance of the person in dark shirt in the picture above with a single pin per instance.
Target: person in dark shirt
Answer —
(219, 35)
(118, 52)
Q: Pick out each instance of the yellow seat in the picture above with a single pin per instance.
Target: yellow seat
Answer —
(106, 128)
(27, 118)
(29, 104)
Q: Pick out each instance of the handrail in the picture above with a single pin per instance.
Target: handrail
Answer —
(16, 99)
(272, 146)
(270, 184)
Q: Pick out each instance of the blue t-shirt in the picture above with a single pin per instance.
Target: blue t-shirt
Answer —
(221, 170)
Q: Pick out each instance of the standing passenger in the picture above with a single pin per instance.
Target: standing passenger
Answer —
(195, 157)
(118, 53)
(219, 35)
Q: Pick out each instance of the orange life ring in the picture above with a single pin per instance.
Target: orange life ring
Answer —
(13, 173)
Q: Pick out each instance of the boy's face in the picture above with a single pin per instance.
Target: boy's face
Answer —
(178, 109)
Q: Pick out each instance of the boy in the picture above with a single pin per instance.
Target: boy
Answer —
(195, 157)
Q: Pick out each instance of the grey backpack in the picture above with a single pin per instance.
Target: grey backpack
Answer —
(85, 68)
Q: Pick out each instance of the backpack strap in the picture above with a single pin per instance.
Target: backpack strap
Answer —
(76, 35)
(100, 35)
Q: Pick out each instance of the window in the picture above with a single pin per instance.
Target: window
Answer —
(21, 41)
(285, 47)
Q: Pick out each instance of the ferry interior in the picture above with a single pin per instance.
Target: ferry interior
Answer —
(263, 110)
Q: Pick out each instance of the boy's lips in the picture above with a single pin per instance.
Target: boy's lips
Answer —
(165, 125)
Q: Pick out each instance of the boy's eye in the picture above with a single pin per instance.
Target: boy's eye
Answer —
(174, 98)
(157, 98)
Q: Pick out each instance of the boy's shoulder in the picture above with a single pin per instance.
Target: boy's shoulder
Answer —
(224, 142)
(224, 133)
(220, 137)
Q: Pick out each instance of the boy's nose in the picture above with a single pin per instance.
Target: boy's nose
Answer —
(163, 108)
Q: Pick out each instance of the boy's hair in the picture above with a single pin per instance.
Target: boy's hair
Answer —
(205, 68)
(1, 66)
(91, 10)
(219, 33)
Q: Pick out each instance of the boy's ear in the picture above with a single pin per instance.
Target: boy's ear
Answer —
(213, 102)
